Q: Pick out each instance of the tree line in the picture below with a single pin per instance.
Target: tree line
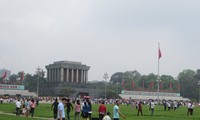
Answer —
(186, 83)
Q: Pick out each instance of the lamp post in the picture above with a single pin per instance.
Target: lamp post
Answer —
(199, 90)
(38, 73)
(105, 76)
(143, 84)
(158, 91)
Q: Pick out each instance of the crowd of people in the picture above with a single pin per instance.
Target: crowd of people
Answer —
(82, 107)
(27, 105)
(84, 110)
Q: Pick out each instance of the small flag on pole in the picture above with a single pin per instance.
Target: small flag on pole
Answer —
(178, 87)
(159, 53)
(170, 86)
(133, 84)
(22, 76)
(4, 75)
(161, 85)
(152, 84)
(122, 82)
(143, 83)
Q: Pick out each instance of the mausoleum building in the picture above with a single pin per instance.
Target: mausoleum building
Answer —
(67, 71)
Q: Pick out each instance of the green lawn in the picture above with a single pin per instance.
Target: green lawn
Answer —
(44, 110)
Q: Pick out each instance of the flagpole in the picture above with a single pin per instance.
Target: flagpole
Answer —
(158, 77)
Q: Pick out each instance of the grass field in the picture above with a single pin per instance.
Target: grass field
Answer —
(44, 111)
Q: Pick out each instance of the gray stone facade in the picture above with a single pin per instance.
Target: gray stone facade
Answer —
(67, 71)
(67, 74)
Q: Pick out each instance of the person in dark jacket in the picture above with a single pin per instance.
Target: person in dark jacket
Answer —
(69, 108)
(89, 109)
(55, 108)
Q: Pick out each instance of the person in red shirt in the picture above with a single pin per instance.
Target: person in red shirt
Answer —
(32, 105)
(102, 111)
(140, 108)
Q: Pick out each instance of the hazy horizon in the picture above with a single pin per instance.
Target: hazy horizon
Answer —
(107, 35)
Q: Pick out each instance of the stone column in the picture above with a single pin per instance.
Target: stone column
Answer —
(55, 75)
(53, 72)
(62, 74)
(72, 77)
(86, 76)
(67, 75)
(83, 76)
(47, 75)
(52, 78)
(51, 75)
(58, 75)
(77, 75)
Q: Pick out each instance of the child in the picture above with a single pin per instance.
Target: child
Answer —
(24, 110)
(107, 117)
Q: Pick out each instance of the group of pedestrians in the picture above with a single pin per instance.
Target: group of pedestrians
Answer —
(62, 108)
(138, 105)
(25, 107)
(167, 105)
(170, 105)
(84, 110)
(104, 115)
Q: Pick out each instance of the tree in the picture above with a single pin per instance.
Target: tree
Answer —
(166, 81)
(151, 80)
(130, 77)
(13, 78)
(117, 78)
(188, 83)
(30, 81)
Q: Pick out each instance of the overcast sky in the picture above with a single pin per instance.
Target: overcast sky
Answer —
(107, 35)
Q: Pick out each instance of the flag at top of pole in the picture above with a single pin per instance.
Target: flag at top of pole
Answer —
(158, 77)
(159, 52)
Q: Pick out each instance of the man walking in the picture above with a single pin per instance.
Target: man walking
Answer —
(18, 105)
(140, 108)
(55, 108)
(102, 110)
(69, 108)
(152, 105)
(116, 111)
(61, 110)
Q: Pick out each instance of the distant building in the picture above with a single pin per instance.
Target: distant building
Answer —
(2, 72)
(66, 75)
(67, 71)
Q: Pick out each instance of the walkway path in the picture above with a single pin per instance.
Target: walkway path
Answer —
(42, 118)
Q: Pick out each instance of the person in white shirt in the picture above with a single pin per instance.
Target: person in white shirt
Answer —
(18, 105)
(175, 105)
(107, 116)
(61, 110)
(168, 105)
(1, 100)
(188, 105)
(152, 105)
(133, 104)
(191, 109)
